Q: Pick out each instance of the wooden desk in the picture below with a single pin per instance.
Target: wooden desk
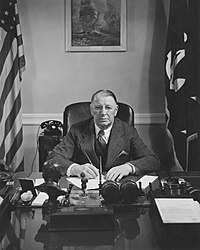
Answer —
(134, 229)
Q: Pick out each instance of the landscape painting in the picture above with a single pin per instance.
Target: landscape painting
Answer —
(95, 25)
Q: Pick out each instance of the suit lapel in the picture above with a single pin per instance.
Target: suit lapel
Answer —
(116, 144)
(87, 142)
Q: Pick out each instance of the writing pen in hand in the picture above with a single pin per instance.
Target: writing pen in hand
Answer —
(88, 158)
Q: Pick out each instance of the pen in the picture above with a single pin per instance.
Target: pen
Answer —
(88, 158)
(100, 169)
(100, 176)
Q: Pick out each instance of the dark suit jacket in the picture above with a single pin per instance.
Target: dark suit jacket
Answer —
(124, 145)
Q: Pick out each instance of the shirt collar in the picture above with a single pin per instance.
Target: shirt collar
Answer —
(106, 131)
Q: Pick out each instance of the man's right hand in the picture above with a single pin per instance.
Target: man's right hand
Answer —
(88, 169)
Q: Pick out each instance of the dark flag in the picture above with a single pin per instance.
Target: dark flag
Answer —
(182, 83)
(12, 63)
(14, 234)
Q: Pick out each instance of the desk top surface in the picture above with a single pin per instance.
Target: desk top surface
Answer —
(136, 228)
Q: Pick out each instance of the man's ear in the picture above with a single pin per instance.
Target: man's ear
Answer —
(116, 110)
(91, 109)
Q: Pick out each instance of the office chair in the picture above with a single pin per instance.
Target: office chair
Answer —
(79, 111)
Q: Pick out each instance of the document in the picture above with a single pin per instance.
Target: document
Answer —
(42, 196)
(38, 181)
(178, 210)
(94, 183)
(1, 199)
(145, 180)
(91, 183)
(39, 200)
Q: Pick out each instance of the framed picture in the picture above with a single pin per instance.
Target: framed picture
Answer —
(95, 25)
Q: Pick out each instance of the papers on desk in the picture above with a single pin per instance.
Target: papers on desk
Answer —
(39, 200)
(38, 181)
(91, 184)
(178, 210)
(1, 199)
(42, 196)
(94, 183)
(145, 180)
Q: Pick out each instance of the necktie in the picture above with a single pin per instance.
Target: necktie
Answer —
(100, 141)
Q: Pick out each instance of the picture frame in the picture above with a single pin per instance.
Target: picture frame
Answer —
(95, 25)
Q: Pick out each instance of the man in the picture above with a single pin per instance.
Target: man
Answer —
(123, 152)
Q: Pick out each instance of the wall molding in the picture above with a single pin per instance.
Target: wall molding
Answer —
(35, 119)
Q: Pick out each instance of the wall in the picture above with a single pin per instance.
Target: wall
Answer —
(55, 78)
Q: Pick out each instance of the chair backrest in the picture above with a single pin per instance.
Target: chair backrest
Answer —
(80, 111)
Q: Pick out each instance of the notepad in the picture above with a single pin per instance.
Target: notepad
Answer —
(178, 210)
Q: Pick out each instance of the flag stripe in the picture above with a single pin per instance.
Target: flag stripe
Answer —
(15, 146)
(2, 37)
(11, 122)
(6, 45)
(5, 111)
(8, 85)
(20, 165)
(12, 64)
(19, 40)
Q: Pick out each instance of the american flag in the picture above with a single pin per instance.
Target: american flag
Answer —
(14, 231)
(12, 64)
(182, 84)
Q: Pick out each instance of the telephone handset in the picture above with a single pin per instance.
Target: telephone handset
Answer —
(52, 127)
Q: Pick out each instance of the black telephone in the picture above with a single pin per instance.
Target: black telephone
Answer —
(52, 127)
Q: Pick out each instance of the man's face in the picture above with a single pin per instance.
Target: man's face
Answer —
(103, 109)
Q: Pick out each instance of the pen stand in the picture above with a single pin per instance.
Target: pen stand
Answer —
(53, 190)
(51, 175)
(83, 185)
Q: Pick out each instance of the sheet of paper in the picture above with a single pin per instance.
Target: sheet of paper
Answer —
(1, 199)
(39, 200)
(94, 183)
(91, 184)
(42, 196)
(38, 181)
(145, 180)
(178, 210)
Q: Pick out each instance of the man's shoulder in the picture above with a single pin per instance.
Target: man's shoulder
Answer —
(124, 126)
(119, 122)
(82, 124)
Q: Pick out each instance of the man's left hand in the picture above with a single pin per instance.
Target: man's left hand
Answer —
(116, 173)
